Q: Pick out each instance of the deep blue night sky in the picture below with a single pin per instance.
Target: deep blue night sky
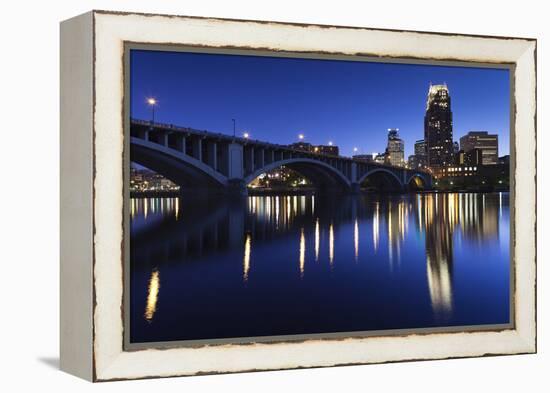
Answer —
(349, 103)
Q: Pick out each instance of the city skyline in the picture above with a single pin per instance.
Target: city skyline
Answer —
(352, 108)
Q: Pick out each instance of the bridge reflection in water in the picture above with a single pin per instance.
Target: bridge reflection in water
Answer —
(278, 265)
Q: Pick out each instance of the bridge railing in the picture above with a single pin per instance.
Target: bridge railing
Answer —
(205, 133)
(229, 138)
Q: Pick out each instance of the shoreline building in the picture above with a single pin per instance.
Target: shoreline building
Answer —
(304, 146)
(438, 127)
(364, 157)
(396, 148)
(473, 157)
(380, 158)
(329, 150)
(481, 140)
(418, 159)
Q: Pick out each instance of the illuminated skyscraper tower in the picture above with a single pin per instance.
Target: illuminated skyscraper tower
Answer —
(438, 127)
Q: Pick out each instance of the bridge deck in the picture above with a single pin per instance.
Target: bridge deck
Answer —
(254, 142)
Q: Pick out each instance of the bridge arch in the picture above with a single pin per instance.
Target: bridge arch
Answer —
(384, 179)
(418, 181)
(323, 175)
(180, 168)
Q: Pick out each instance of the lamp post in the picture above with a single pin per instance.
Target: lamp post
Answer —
(152, 102)
(233, 128)
(301, 137)
(246, 135)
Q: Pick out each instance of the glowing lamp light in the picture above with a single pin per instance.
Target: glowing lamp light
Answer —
(151, 101)
(300, 136)
(355, 149)
(246, 135)
(330, 143)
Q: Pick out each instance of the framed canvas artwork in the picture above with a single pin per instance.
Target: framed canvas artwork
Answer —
(246, 195)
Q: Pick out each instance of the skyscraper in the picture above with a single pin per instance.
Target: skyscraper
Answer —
(396, 148)
(438, 127)
(482, 140)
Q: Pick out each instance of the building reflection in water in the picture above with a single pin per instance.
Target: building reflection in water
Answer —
(440, 286)
(331, 244)
(152, 296)
(438, 225)
(277, 212)
(356, 239)
(376, 226)
(144, 207)
(317, 239)
(302, 252)
(439, 219)
(246, 257)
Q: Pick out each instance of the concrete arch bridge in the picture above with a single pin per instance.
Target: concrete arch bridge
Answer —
(202, 160)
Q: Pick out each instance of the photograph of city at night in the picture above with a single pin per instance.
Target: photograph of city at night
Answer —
(274, 197)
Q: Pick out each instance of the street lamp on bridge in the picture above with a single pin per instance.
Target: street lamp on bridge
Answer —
(152, 102)
(301, 137)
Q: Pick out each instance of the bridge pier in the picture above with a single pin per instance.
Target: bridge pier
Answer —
(237, 187)
(197, 148)
(163, 139)
(249, 159)
(144, 134)
(212, 155)
(180, 144)
(355, 188)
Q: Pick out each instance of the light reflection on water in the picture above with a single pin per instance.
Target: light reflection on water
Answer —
(302, 253)
(445, 262)
(152, 296)
(246, 258)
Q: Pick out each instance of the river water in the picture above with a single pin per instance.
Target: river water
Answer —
(289, 265)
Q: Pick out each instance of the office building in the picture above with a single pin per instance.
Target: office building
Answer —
(396, 148)
(438, 127)
(482, 140)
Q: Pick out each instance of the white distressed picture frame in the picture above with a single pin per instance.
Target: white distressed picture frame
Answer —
(92, 162)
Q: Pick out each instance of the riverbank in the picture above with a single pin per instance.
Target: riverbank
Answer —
(312, 191)
(279, 191)
(154, 194)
